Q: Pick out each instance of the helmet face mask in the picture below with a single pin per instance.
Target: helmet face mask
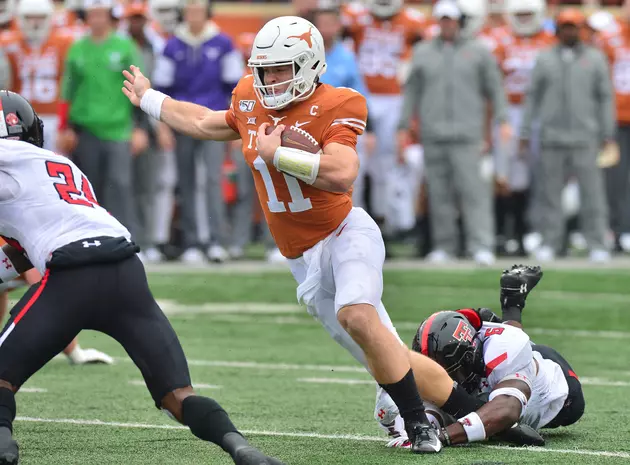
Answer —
(384, 8)
(166, 13)
(526, 17)
(292, 42)
(34, 19)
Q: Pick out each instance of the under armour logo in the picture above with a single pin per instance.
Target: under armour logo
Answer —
(523, 288)
(381, 413)
(87, 244)
(7, 264)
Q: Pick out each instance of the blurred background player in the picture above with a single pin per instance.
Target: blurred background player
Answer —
(343, 71)
(7, 8)
(571, 95)
(164, 16)
(383, 33)
(37, 52)
(615, 41)
(146, 162)
(448, 90)
(526, 19)
(97, 128)
(200, 64)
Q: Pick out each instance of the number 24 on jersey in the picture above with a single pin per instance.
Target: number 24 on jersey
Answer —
(66, 186)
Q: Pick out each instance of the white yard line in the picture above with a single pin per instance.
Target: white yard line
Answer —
(585, 381)
(267, 366)
(588, 381)
(603, 382)
(347, 437)
(336, 381)
(32, 390)
(171, 307)
(139, 382)
(230, 313)
(259, 266)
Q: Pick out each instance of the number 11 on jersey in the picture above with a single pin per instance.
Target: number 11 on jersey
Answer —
(297, 204)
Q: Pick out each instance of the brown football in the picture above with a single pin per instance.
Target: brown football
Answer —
(297, 138)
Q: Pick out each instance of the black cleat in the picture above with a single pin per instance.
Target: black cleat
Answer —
(517, 283)
(252, 456)
(424, 438)
(9, 450)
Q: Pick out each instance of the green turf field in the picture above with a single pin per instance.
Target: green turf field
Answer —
(273, 366)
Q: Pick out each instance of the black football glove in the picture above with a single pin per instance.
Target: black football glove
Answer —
(487, 315)
(517, 283)
(520, 435)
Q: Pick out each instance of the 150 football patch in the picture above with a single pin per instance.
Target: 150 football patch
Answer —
(246, 105)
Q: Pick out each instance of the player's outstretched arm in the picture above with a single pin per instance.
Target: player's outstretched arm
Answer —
(186, 118)
(14, 263)
(503, 410)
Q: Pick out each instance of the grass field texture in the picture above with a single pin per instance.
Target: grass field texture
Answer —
(301, 397)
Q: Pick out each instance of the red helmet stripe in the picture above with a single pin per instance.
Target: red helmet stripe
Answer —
(424, 337)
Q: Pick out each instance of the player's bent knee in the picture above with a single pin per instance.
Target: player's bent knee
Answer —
(172, 402)
(358, 319)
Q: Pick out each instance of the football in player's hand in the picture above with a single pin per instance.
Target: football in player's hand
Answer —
(297, 138)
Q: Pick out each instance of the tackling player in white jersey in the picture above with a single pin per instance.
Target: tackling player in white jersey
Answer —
(494, 358)
(92, 279)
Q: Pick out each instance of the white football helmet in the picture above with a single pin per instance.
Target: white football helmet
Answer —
(35, 31)
(287, 40)
(165, 13)
(531, 26)
(496, 7)
(7, 10)
(384, 8)
(474, 14)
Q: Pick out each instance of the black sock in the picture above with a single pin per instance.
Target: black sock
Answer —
(7, 408)
(460, 403)
(513, 313)
(208, 421)
(405, 395)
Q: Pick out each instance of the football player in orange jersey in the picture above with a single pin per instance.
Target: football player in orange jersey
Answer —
(36, 52)
(383, 32)
(335, 251)
(526, 18)
(615, 42)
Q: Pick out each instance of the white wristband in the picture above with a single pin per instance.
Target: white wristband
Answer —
(297, 163)
(475, 431)
(151, 103)
(7, 269)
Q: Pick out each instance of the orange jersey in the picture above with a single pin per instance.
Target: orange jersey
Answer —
(382, 45)
(298, 214)
(37, 73)
(617, 48)
(67, 22)
(497, 40)
(520, 58)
